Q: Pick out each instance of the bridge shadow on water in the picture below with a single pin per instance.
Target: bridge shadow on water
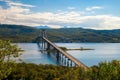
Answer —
(52, 56)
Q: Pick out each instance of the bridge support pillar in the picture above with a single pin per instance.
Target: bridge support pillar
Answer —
(71, 63)
(44, 45)
(48, 48)
(65, 61)
(62, 59)
(68, 62)
(57, 56)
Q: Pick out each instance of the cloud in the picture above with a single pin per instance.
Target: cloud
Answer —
(23, 16)
(71, 8)
(18, 4)
(101, 22)
(93, 8)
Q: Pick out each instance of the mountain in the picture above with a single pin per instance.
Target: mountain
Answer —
(42, 27)
(20, 33)
(84, 35)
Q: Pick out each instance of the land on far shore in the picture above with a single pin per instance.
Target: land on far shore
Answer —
(20, 33)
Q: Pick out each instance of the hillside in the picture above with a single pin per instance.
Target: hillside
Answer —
(85, 35)
(19, 33)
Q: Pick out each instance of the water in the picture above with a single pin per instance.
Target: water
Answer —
(32, 54)
(101, 52)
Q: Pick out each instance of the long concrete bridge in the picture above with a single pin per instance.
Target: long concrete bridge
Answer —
(62, 57)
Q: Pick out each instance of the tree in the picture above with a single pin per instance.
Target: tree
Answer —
(8, 51)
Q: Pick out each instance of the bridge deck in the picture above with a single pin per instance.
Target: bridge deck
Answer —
(77, 62)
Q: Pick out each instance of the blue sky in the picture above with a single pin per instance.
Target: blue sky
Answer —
(112, 6)
(95, 14)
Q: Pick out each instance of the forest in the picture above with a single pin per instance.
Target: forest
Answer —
(102, 71)
(20, 33)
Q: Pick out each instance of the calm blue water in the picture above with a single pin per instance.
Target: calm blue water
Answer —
(102, 52)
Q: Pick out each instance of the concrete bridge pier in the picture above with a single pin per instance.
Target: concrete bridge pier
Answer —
(68, 62)
(65, 61)
(57, 55)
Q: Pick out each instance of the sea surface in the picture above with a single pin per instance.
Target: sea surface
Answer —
(102, 52)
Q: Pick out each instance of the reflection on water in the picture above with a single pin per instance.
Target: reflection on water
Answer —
(102, 52)
(33, 55)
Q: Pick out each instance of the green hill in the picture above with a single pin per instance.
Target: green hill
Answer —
(17, 33)
(20, 33)
(86, 35)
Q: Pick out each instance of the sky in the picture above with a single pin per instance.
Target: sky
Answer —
(93, 14)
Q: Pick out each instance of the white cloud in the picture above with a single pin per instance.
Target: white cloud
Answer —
(93, 8)
(22, 16)
(71, 8)
(18, 4)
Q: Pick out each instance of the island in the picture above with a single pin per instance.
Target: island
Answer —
(81, 48)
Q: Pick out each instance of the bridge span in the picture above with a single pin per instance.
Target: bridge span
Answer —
(62, 57)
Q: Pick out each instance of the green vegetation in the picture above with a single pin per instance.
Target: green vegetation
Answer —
(7, 51)
(83, 35)
(65, 49)
(103, 71)
(19, 33)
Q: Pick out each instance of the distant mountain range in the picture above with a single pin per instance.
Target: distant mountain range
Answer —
(20, 33)
(42, 27)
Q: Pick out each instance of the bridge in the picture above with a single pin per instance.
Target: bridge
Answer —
(62, 57)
